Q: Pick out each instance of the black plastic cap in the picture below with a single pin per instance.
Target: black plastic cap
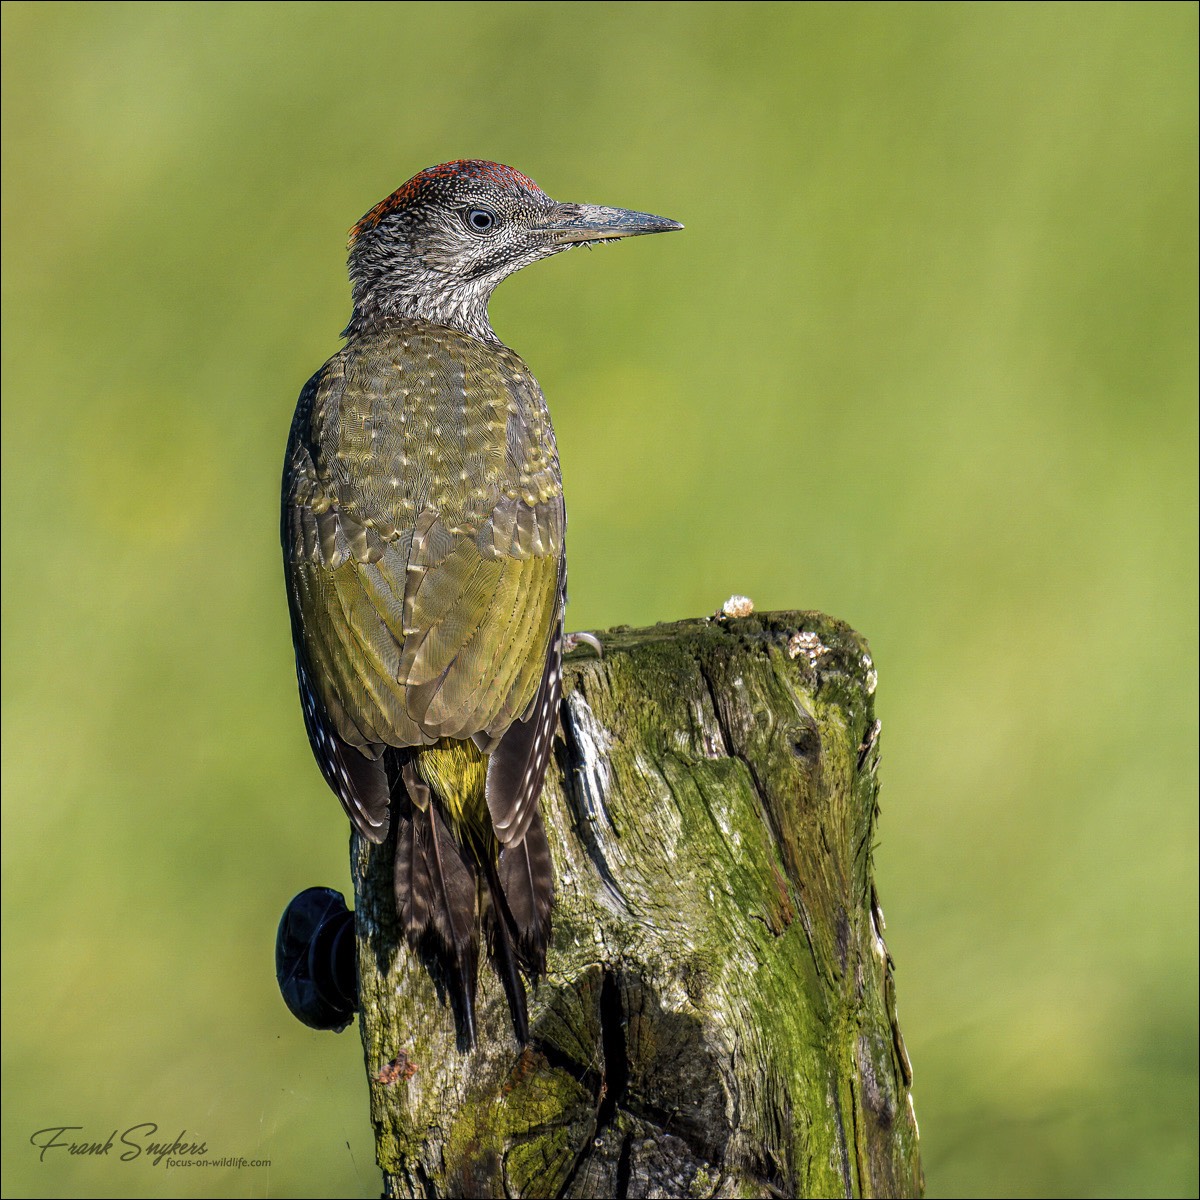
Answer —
(315, 959)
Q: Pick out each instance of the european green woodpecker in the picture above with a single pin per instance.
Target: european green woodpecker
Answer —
(423, 543)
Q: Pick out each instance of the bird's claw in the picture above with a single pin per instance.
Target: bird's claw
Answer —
(572, 641)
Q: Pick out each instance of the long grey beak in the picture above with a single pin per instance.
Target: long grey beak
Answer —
(567, 223)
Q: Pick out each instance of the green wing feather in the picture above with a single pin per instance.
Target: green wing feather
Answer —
(423, 537)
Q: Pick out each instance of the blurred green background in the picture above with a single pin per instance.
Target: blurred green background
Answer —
(924, 358)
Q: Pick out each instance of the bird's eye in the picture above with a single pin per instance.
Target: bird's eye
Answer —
(481, 220)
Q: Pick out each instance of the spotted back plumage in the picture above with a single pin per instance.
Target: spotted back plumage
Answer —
(424, 533)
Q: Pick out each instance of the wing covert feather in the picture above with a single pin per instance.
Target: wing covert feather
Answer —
(424, 601)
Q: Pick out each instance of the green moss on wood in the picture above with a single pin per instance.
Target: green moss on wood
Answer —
(719, 1016)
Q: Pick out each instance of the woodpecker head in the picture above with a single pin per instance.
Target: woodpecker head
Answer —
(436, 248)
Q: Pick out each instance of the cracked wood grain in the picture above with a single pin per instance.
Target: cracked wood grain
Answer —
(719, 1013)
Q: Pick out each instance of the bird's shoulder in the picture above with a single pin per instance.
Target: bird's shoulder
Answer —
(414, 418)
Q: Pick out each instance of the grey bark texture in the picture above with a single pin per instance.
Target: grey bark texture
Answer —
(719, 1015)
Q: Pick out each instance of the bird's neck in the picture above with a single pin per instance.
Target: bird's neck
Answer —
(465, 313)
(417, 293)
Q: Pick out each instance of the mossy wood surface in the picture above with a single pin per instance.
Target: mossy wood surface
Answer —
(719, 1016)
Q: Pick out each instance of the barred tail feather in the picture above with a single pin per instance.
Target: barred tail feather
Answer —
(454, 886)
(503, 956)
(414, 887)
(454, 909)
(436, 896)
(526, 876)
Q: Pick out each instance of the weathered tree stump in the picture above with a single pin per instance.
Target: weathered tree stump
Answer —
(719, 1016)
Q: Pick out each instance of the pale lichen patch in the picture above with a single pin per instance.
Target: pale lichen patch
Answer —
(737, 606)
